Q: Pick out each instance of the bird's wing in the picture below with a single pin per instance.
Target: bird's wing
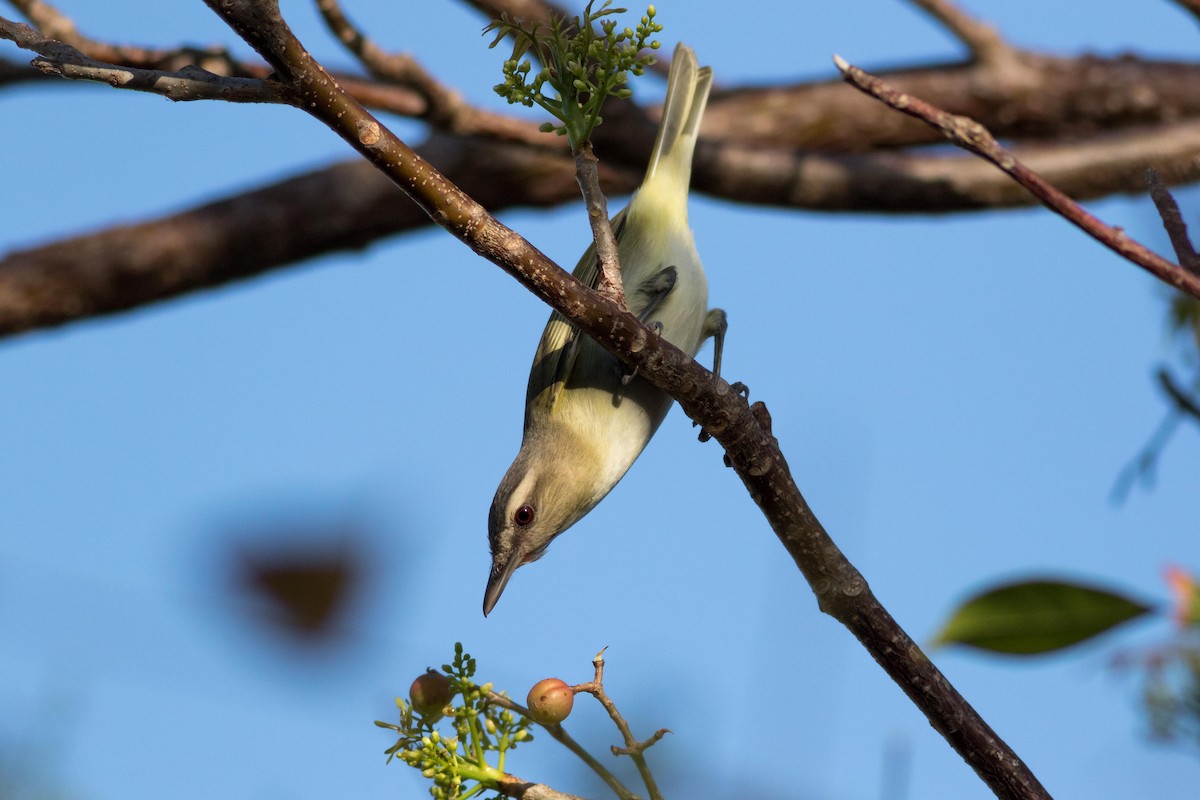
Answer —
(559, 347)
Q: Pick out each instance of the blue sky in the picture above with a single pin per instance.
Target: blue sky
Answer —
(956, 396)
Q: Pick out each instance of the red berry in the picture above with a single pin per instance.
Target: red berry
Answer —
(550, 701)
(430, 693)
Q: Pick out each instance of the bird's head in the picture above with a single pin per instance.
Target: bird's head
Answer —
(543, 493)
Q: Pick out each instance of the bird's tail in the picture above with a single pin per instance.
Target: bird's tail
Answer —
(687, 94)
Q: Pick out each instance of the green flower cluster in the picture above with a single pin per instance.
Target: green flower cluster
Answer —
(583, 61)
(456, 764)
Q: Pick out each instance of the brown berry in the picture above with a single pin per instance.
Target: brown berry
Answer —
(430, 693)
(550, 701)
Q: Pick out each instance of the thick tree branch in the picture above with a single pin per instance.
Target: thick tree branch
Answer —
(344, 207)
(349, 206)
(754, 453)
(1057, 98)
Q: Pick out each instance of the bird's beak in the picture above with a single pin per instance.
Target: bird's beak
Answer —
(499, 579)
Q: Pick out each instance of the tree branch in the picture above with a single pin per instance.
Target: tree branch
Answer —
(633, 748)
(344, 207)
(754, 453)
(416, 96)
(1054, 98)
(189, 83)
(560, 735)
(12, 73)
(1185, 403)
(1173, 224)
(970, 135)
(349, 206)
(983, 40)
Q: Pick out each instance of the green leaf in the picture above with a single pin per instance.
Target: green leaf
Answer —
(1037, 616)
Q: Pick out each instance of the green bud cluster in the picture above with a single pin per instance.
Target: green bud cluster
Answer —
(457, 765)
(581, 66)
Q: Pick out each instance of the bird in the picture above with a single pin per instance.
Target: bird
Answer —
(587, 417)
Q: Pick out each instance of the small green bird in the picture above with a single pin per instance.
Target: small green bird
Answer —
(586, 417)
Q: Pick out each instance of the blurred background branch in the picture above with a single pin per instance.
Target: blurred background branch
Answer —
(1090, 125)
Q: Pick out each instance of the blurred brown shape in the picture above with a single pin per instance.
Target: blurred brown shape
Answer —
(307, 582)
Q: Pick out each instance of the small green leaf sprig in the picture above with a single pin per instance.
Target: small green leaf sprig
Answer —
(457, 764)
(580, 66)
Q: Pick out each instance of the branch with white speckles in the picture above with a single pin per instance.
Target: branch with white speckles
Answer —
(743, 430)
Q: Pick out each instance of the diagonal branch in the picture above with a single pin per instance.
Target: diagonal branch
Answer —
(745, 434)
(972, 136)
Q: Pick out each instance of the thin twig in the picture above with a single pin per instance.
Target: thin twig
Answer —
(53, 24)
(587, 172)
(189, 83)
(633, 748)
(1143, 464)
(559, 734)
(640, 747)
(970, 135)
(1173, 222)
(1185, 402)
(445, 107)
(419, 95)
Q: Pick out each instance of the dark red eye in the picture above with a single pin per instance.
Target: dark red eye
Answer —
(523, 515)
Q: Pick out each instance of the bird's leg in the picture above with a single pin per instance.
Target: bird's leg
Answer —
(715, 325)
